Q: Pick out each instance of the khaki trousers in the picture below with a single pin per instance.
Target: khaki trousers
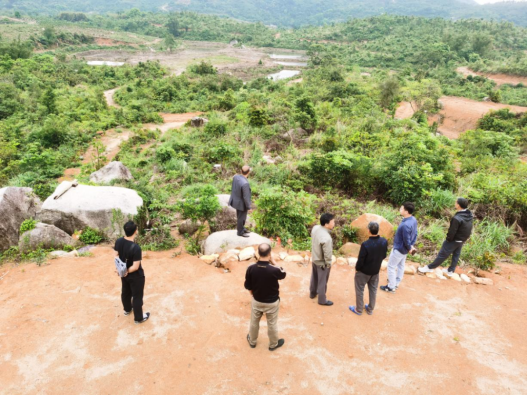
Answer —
(272, 315)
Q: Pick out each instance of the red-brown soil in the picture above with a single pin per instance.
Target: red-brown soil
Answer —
(106, 42)
(461, 114)
(500, 79)
(63, 331)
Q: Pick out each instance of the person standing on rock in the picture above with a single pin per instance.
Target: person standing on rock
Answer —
(241, 199)
(322, 249)
(373, 251)
(133, 283)
(404, 241)
(458, 233)
(262, 281)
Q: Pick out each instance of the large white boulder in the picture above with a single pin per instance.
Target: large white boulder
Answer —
(115, 170)
(16, 205)
(223, 241)
(102, 208)
(46, 236)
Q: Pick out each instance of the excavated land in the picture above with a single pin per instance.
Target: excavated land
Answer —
(63, 331)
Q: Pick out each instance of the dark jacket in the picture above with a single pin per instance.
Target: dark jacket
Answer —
(262, 279)
(373, 251)
(460, 227)
(240, 194)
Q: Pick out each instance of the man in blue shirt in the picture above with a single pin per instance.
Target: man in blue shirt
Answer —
(404, 241)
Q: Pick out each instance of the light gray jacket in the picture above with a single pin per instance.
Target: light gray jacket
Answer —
(240, 194)
(321, 246)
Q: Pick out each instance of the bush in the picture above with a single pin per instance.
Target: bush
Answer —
(284, 213)
(347, 171)
(203, 68)
(165, 153)
(437, 201)
(91, 236)
(157, 239)
(215, 128)
(27, 225)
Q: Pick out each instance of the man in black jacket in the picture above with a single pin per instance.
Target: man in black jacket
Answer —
(262, 281)
(241, 199)
(373, 251)
(459, 232)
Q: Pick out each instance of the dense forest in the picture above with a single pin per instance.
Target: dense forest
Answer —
(333, 137)
(291, 12)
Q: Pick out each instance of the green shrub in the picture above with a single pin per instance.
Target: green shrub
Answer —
(165, 153)
(91, 236)
(437, 201)
(284, 213)
(203, 68)
(215, 128)
(27, 225)
(157, 239)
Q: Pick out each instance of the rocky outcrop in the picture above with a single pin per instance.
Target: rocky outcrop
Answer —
(223, 241)
(16, 205)
(386, 229)
(189, 227)
(198, 121)
(350, 249)
(46, 236)
(115, 170)
(103, 208)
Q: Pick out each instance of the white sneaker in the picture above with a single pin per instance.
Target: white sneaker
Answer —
(424, 270)
(447, 272)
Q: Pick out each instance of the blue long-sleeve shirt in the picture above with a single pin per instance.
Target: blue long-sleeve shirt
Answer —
(406, 235)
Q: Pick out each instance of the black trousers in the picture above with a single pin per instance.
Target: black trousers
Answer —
(448, 249)
(241, 221)
(132, 294)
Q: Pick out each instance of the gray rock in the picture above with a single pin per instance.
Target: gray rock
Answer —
(115, 170)
(223, 199)
(16, 205)
(223, 241)
(198, 121)
(46, 236)
(188, 227)
(103, 208)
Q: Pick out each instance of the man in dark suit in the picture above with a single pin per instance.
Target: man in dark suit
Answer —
(241, 199)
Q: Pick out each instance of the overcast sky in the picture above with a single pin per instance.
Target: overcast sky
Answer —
(493, 1)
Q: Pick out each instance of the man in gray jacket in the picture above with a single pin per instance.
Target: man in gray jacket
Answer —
(321, 258)
(241, 200)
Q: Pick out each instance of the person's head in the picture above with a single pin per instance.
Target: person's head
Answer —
(245, 170)
(327, 221)
(373, 228)
(264, 251)
(407, 209)
(130, 228)
(461, 204)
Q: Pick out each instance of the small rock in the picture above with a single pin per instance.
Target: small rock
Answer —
(268, 159)
(283, 255)
(350, 249)
(334, 259)
(59, 253)
(342, 261)
(483, 281)
(209, 259)
(230, 255)
(439, 274)
(247, 253)
(465, 278)
(217, 167)
(456, 277)
(352, 261)
(431, 275)
(295, 258)
(410, 270)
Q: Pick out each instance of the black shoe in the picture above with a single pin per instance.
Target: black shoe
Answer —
(312, 297)
(246, 235)
(328, 302)
(279, 344)
(145, 318)
(252, 346)
(246, 231)
(387, 289)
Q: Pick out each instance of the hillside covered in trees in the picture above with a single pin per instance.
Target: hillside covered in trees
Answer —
(329, 141)
(291, 12)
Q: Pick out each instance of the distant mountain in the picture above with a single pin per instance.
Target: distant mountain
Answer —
(289, 12)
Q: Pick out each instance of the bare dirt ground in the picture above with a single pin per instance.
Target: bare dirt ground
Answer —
(63, 331)
(461, 114)
(500, 79)
(225, 57)
(404, 110)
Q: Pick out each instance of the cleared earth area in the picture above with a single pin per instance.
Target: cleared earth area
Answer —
(67, 333)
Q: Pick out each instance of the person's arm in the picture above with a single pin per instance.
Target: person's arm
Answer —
(280, 275)
(246, 195)
(136, 256)
(361, 257)
(407, 238)
(386, 247)
(453, 228)
(327, 252)
(247, 283)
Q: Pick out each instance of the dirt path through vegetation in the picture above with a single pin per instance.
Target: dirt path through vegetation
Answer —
(63, 331)
(500, 79)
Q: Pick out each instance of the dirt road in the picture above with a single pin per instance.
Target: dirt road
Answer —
(500, 79)
(63, 331)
